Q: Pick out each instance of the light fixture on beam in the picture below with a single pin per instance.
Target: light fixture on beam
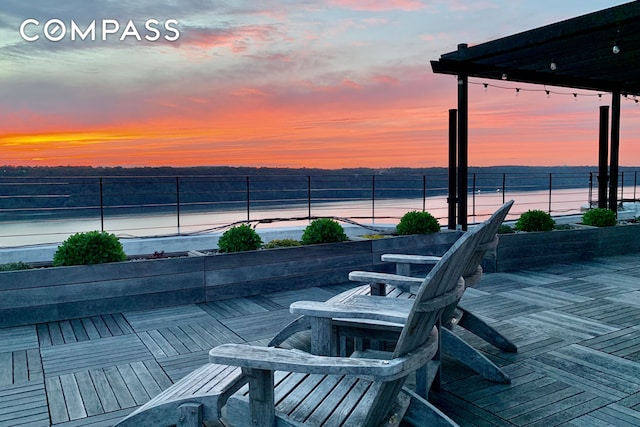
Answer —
(616, 44)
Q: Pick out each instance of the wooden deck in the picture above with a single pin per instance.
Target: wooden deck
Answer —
(577, 327)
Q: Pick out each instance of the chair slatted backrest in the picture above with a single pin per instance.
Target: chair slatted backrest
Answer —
(487, 238)
(442, 282)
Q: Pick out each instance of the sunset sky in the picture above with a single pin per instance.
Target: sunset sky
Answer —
(304, 83)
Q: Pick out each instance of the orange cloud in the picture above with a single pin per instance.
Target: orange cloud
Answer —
(396, 117)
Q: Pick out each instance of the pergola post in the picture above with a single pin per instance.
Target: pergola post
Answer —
(615, 151)
(463, 144)
(452, 200)
(603, 157)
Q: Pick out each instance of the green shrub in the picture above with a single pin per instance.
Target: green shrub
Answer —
(535, 220)
(323, 230)
(416, 222)
(239, 239)
(93, 247)
(15, 266)
(599, 217)
(282, 243)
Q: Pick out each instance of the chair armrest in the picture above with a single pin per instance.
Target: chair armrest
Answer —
(404, 283)
(394, 310)
(410, 259)
(278, 359)
(386, 278)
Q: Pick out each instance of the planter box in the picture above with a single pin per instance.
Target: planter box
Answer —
(524, 250)
(61, 293)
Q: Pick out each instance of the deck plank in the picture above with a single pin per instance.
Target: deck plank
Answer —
(90, 399)
(261, 325)
(6, 368)
(165, 317)
(18, 338)
(61, 359)
(111, 390)
(72, 397)
(106, 390)
(23, 405)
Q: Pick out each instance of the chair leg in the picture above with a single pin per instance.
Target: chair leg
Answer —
(472, 358)
(422, 413)
(261, 397)
(480, 328)
(190, 415)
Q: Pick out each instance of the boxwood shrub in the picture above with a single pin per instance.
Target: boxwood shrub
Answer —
(323, 230)
(535, 220)
(93, 247)
(240, 238)
(416, 222)
(600, 217)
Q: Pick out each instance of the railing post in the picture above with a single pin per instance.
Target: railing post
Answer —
(248, 201)
(550, 185)
(309, 196)
(635, 184)
(590, 196)
(473, 191)
(373, 199)
(622, 187)
(424, 193)
(504, 187)
(178, 202)
(101, 207)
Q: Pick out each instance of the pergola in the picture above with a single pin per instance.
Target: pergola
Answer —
(599, 51)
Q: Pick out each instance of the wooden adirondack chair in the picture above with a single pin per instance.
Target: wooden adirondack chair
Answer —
(472, 275)
(295, 388)
(329, 337)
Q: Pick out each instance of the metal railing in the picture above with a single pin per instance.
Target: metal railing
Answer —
(169, 205)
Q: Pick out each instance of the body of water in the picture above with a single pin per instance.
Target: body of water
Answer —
(383, 211)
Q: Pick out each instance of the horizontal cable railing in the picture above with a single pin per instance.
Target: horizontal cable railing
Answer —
(48, 209)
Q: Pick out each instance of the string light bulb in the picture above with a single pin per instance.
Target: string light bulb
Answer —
(626, 96)
(504, 76)
(616, 44)
(553, 65)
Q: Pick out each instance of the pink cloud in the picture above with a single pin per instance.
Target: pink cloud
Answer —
(385, 79)
(236, 39)
(350, 83)
(377, 5)
(248, 91)
(466, 6)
